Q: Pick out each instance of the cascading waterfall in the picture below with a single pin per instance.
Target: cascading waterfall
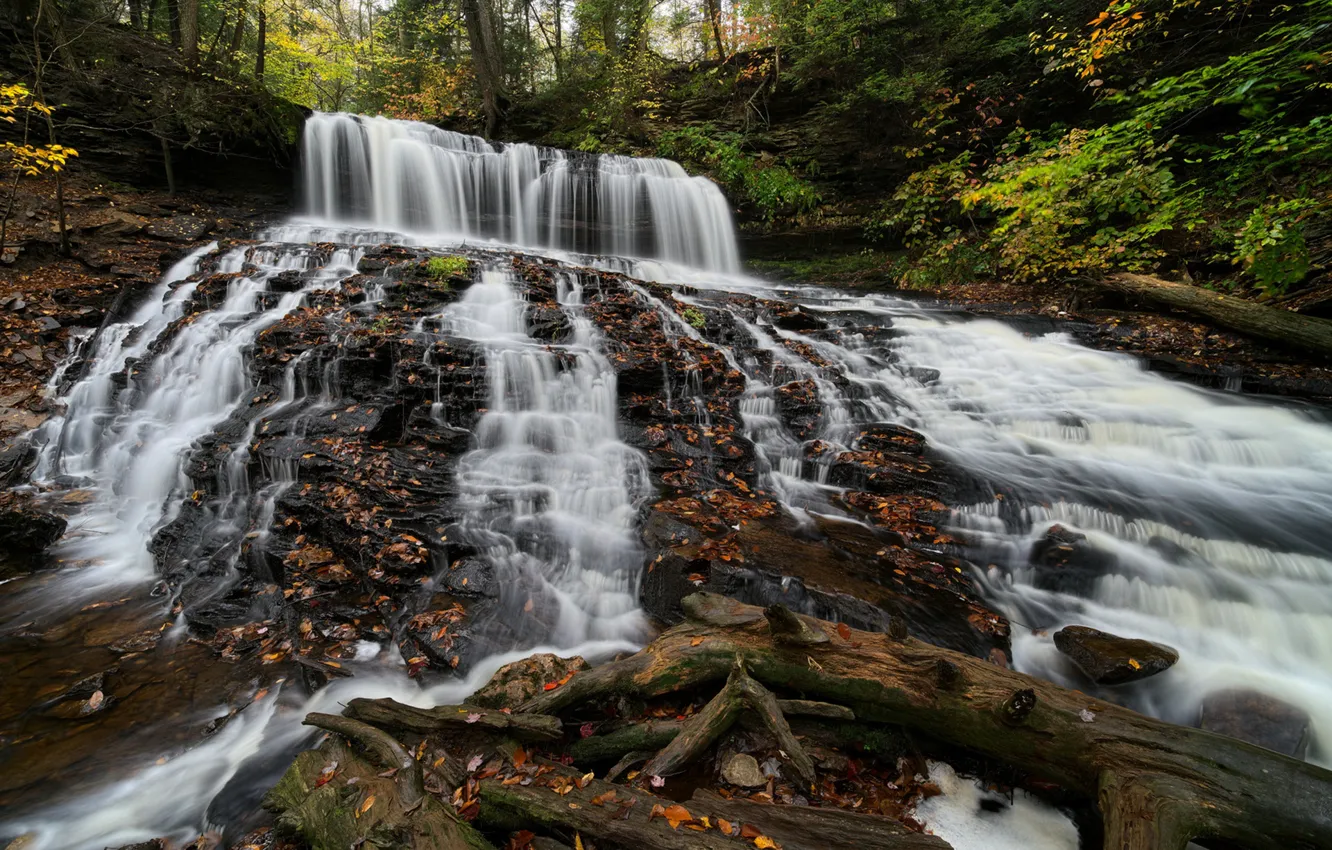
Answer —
(414, 178)
(549, 493)
(1214, 510)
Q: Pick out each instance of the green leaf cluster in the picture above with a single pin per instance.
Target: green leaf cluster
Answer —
(773, 189)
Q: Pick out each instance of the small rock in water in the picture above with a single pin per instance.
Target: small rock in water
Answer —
(1108, 659)
(1257, 718)
(743, 770)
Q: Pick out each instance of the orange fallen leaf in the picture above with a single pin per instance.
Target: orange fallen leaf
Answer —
(696, 641)
(750, 831)
(519, 757)
(365, 807)
(677, 815)
(724, 825)
(844, 631)
(763, 842)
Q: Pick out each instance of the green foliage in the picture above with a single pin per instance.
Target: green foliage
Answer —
(1271, 245)
(694, 317)
(773, 189)
(441, 269)
(1089, 201)
(927, 206)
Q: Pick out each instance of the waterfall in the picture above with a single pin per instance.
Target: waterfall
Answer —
(414, 178)
(1213, 510)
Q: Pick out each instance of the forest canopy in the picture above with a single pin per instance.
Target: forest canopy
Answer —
(1038, 139)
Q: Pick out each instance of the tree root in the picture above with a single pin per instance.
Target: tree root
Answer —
(1158, 786)
(384, 747)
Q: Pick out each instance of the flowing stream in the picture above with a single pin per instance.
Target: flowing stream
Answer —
(1213, 509)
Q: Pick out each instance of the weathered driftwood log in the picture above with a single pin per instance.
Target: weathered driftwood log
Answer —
(1273, 324)
(655, 734)
(1158, 785)
(702, 730)
(809, 828)
(390, 714)
(625, 817)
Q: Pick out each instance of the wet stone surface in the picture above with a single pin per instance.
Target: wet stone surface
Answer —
(1109, 659)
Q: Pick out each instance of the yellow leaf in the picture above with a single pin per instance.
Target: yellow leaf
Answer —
(365, 807)
(763, 842)
(578, 841)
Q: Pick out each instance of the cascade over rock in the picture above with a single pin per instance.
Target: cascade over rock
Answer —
(382, 450)
(415, 178)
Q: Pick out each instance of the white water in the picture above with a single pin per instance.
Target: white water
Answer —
(414, 178)
(549, 491)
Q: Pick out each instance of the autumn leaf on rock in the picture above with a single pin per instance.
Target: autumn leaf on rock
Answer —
(365, 807)
(844, 631)
(763, 842)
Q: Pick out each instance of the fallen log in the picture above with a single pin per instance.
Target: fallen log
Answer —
(808, 828)
(390, 714)
(1272, 324)
(741, 693)
(632, 817)
(1157, 785)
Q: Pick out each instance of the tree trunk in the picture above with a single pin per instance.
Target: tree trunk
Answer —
(559, 40)
(1271, 324)
(237, 36)
(136, 14)
(1159, 785)
(262, 43)
(487, 59)
(173, 21)
(189, 31)
(714, 17)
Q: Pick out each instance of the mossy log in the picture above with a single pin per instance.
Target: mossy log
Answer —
(1273, 324)
(741, 693)
(624, 817)
(655, 734)
(1158, 785)
(388, 713)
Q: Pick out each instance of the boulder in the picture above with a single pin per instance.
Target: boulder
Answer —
(1108, 659)
(743, 770)
(516, 683)
(25, 532)
(1257, 718)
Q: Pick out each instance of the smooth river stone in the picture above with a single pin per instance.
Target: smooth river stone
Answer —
(1108, 659)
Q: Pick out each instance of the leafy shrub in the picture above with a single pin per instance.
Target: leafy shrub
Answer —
(927, 206)
(774, 189)
(694, 317)
(1090, 200)
(1270, 245)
